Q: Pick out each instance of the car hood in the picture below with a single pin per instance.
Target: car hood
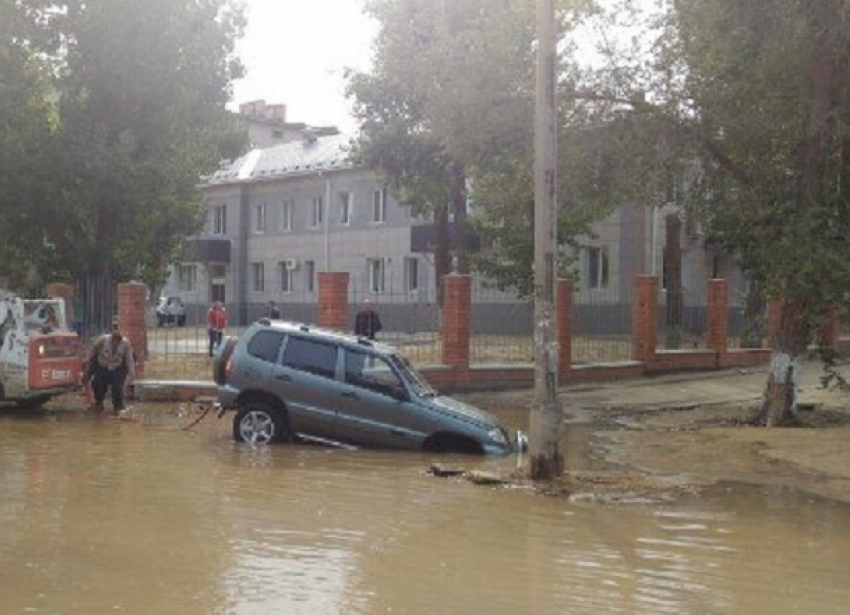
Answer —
(466, 411)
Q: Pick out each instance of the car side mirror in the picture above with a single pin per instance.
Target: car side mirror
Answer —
(398, 392)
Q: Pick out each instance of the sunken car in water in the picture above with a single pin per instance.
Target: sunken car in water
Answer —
(293, 382)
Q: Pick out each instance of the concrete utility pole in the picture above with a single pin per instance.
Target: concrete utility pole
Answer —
(547, 460)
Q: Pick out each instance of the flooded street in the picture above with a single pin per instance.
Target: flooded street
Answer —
(104, 516)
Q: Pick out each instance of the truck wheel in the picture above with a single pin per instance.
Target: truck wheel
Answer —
(181, 321)
(257, 422)
(32, 403)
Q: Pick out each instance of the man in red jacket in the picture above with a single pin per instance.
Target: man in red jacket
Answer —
(216, 322)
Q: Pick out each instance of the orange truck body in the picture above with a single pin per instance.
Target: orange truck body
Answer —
(39, 357)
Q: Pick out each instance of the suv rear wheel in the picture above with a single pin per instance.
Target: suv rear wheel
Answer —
(257, 422)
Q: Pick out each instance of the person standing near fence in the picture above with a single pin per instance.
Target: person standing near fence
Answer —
(272, 311)
(110, 365)
(216, 322)
(367, 323)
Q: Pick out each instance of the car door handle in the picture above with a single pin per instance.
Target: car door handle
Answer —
(284, 377)
(351, 394)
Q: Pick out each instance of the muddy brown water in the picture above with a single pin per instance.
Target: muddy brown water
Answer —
(104, 516)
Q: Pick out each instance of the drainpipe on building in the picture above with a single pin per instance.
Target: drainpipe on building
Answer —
(328, 224)
(654, 239)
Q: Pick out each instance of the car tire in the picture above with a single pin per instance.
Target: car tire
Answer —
(160, 320)
(452, 443)
(181, 321)
(259, 423)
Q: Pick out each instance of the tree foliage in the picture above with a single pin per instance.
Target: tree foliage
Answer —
(763, 91)
(27, 125)
(454, 84)
(140, 90)
(450, 91)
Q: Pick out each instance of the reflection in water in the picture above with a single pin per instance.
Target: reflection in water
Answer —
(105, 516)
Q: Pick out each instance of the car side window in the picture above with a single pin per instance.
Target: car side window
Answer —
(265, 345)
(310, 356)
(371, 372)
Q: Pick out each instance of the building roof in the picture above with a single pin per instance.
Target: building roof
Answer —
(308, 155)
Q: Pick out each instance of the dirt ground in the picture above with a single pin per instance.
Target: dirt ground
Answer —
(635, 455)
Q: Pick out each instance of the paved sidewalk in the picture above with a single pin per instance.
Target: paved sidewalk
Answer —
(669, 391)
(685, 390)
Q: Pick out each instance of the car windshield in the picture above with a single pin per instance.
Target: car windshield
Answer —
(413, 378)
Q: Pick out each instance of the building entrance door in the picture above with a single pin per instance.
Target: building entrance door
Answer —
(217, 284)
(217, 292)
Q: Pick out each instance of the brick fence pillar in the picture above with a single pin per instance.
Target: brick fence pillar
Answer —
(333, 300)
(65, 292)
(774, 318)
(131, 320)
(718, 316)
(829, 330)
(565, 330)
(457, 309)
(645, 318)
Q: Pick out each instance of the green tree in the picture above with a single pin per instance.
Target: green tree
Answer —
(141, 89)
(763, 88)
(27, 124)
(451, 86)
(144, 87)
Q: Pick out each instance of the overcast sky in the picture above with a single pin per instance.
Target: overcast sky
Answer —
(295, 52)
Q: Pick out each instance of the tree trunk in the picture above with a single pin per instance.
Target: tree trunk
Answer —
(673, 276)
(459, 211)
(780, 399)
(779, 407)
(754, 309)
(441, 249)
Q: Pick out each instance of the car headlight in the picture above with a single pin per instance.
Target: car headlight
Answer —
(498, 436)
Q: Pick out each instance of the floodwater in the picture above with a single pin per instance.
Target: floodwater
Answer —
(104, 516)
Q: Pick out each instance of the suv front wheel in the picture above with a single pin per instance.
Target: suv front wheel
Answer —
(257, 422)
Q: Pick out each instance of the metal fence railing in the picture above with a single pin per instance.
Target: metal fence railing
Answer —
(501, 329)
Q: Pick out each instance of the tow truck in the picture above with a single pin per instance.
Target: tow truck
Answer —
(39, 356)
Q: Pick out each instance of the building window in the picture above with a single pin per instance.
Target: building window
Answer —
(287, 208)
(344, 208)
(258, 277)
(260, 218)
(309, 276)
(379, 205)
(287, 273)
(318, 216)
(219, 220)
(411, 274)
(187, 278)
(217, 271)
(597, 268)
(376, 275)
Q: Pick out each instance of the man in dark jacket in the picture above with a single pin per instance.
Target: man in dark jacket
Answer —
(367, 322)
(110, 365)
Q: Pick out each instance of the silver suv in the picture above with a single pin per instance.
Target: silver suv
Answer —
(290, 381)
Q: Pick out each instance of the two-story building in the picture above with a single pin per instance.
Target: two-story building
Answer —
(284, 212)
